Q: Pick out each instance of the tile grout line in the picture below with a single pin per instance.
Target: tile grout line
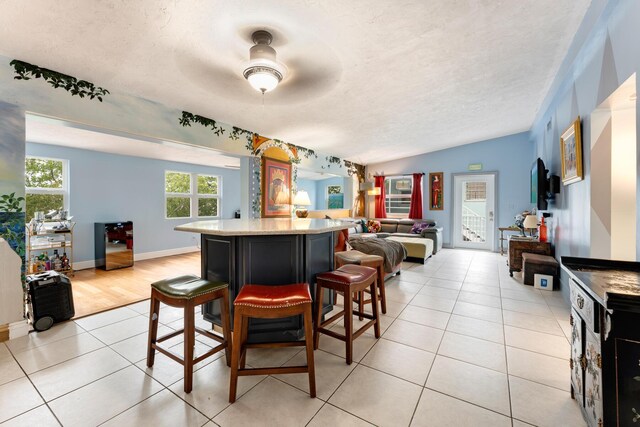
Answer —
(434, 359)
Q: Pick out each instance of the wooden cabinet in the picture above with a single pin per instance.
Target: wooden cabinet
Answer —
(518, 247)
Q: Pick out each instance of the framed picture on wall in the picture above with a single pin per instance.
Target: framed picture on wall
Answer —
(436, 198)
(335, 197)
(276, 188)
(571, 153)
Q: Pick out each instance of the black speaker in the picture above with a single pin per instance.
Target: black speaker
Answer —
(554, 184)
(50, 299)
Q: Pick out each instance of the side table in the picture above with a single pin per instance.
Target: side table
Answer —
(502, 238)
(517, 247)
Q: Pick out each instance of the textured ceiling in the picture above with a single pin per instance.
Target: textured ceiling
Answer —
(368, 80)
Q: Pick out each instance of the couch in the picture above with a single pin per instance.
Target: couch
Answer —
(402, 228)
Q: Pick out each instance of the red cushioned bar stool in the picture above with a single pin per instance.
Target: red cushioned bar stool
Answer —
(348, 279)
(374, 261)
(188, 292)
(270, 302)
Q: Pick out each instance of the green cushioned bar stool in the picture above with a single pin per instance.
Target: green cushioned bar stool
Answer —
(188, 292)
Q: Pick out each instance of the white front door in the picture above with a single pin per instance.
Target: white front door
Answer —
(474, 211)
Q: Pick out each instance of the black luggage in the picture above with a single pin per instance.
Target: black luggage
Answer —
(50, 299)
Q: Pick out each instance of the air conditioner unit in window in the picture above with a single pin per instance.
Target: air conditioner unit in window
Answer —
(403, 185)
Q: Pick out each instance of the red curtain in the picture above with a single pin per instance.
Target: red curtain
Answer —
(415, 209)
(381, 211)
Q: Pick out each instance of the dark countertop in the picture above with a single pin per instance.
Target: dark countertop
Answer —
(614, 284)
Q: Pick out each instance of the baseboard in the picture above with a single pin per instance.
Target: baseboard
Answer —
(14, 330)
(82, 265)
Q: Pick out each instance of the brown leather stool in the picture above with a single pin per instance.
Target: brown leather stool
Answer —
(374, 261)
(269, 302)
(188, 292)
(347, 279)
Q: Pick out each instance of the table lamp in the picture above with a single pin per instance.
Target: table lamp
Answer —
(530, 222)
(302, 199)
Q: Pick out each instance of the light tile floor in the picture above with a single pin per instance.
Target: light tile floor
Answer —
(463, 344)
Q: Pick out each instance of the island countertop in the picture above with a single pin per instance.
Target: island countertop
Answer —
(263, 226)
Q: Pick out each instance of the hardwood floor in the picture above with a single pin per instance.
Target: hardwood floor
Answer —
(96, 290)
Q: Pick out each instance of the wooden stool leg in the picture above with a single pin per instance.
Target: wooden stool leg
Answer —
(308, 331)
(348, 325)
(243, 341)
(316, 334)
(360, 303)
(374, 308)
(189, 343)
(236, 348)
(226, 324)
(383, 296)
(154, 313)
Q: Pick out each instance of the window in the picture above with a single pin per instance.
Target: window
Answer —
(398, 195)
(475, 192)
(335, 197)
(186, 193)
(47, 186)
(207, 195)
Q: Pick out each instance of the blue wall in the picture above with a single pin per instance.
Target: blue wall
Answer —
(606, 56)
(309, 186)
(107, 187)
(510, 156)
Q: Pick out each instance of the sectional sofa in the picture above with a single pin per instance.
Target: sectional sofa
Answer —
(402, 228)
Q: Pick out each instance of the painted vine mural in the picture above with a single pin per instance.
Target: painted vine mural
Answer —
(81, 88)
(253, 144)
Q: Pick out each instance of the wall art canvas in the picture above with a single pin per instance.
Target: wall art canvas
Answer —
(571, 154)
(276, 188)
(436, 198)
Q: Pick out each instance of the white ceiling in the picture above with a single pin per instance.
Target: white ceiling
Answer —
(46, 131)
(315, 176)
(368, 80)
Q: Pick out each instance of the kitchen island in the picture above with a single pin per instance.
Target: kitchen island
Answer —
(267, 251)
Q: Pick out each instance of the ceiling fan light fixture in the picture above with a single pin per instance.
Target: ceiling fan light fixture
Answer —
(263, 72)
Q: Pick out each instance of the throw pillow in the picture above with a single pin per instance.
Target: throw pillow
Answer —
(373, 226)
(418, 227)
(365, 228)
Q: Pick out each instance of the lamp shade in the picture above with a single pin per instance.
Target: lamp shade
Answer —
(302, 198)
(375, 191)
(531, 221)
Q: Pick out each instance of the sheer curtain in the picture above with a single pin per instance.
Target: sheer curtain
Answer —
(415, 209)
(381, 211)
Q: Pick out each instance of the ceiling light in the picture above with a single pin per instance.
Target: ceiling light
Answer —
(263, 72)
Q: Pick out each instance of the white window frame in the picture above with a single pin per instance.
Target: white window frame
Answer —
(193, 194)
(198, 196)
(53, 191)
(397, 196)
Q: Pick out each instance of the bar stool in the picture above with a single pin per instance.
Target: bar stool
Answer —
(269, 302)
(347, 279)
(374, 261)
(188, 292)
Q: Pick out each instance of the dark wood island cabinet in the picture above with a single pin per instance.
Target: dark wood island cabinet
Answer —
(605, 339)
(276, 251)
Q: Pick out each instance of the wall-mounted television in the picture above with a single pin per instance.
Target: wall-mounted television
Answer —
(539, 185)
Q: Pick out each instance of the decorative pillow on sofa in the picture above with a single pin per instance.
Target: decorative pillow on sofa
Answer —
(365, 229)
(418, 227)
(373, 226)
